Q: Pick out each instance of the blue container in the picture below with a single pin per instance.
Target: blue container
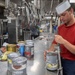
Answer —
(22, 50)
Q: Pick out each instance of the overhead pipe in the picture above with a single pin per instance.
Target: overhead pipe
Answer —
(51, 4)
(7, 2)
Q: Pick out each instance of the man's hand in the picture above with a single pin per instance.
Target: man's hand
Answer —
(45, 53)
(52, 48)
(59, 39)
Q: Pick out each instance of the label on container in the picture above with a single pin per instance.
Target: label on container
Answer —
(27, 54)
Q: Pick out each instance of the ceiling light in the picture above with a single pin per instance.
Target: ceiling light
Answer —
(32, 1)
(72, 1)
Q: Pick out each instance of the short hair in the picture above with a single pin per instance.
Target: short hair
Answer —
(73, 6)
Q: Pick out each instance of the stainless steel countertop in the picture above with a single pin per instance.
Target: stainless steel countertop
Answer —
(35, 66)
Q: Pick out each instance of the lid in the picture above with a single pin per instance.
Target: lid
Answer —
(19, 60)
(21, 43)
(28, 45)
(53, 53)
(13, 55)
(29, 40)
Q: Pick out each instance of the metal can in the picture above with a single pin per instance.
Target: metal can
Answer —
(10, 57)
(19, 66)
(27, 51)
(29, 48)
(12, 47)
(51, 61)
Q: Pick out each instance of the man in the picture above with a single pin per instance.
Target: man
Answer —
(65, 38)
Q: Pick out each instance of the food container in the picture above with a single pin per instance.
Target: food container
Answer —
(29, 48)
(52, 61)
(19, 66)
(29, 51)
(10, 57)
(12, 47)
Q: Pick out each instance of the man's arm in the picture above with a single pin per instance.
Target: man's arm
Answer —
(52, 47)
(59, 39)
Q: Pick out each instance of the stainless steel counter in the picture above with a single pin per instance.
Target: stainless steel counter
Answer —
(35, 66)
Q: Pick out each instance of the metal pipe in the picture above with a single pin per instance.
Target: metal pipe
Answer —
(51, 5)
(7, 2)
(51, 25)
(60, 70)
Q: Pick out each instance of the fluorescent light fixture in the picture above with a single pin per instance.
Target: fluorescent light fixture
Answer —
(49, 18)
(72, 1)
(32, 1)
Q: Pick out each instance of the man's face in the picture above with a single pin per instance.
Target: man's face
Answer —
(65, 17)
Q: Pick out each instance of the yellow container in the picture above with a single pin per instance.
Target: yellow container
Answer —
(41, 30)
(12, 47)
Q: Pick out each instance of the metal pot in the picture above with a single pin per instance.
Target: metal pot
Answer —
(19, 66)
(10, 57)
(51, 61)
